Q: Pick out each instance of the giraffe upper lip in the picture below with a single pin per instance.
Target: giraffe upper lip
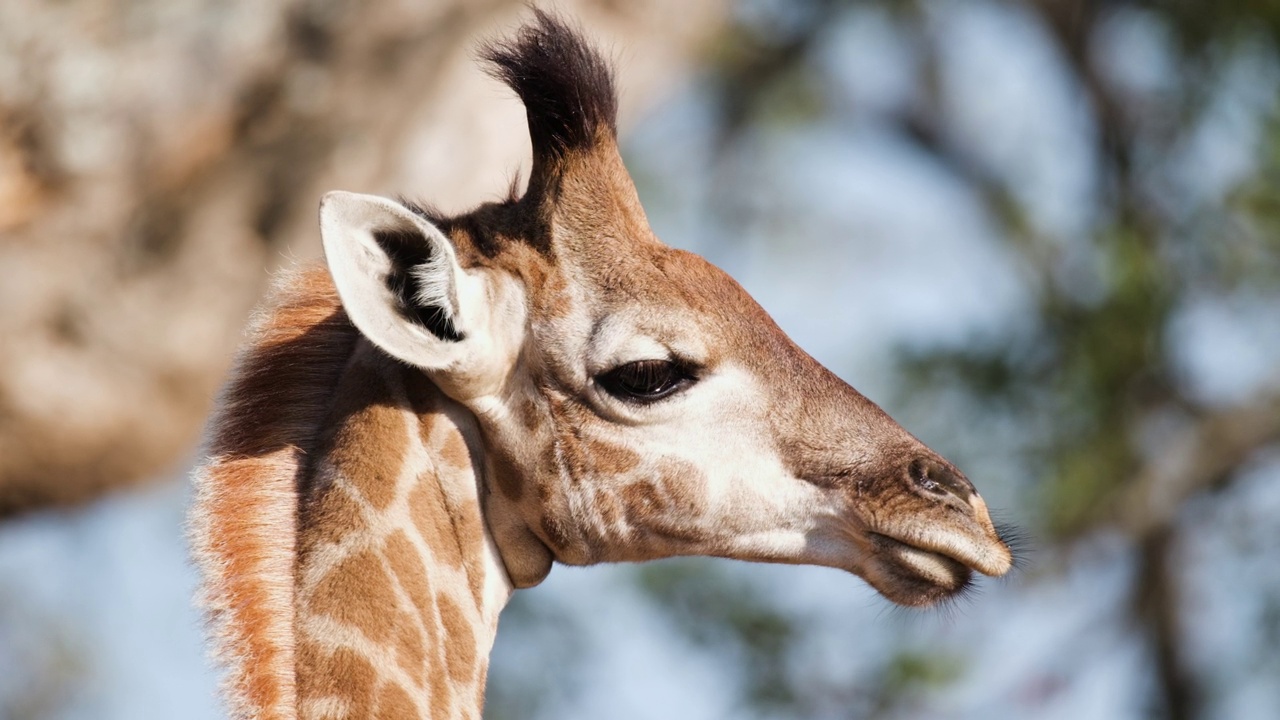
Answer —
(990, 557)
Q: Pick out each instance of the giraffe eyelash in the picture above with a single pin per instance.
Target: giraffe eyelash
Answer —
(647, 381)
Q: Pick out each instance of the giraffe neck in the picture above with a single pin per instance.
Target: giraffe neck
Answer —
(398, 584)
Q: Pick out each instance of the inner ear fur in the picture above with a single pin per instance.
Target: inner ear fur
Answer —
(397, 275)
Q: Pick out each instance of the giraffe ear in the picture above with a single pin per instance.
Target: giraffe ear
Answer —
(398, 277)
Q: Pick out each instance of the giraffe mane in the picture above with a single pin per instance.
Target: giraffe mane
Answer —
(243, 528)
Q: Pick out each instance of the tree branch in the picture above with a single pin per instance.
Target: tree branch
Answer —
(1202, 457)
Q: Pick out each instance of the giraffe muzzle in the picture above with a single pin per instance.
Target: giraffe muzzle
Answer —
(938, 534)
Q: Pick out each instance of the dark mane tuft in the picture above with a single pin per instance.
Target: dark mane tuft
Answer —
(565, 85)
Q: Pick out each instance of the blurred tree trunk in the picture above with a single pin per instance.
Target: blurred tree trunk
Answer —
(157, 157)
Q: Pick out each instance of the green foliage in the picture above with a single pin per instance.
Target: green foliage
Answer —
(911, 671)
(1201, 25)
(1249, 252)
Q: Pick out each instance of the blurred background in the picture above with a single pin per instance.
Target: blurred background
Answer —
(1045, 236)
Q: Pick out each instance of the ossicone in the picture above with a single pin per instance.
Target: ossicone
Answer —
(566, 86)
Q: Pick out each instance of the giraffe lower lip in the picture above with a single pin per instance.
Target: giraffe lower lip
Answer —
(913, 564)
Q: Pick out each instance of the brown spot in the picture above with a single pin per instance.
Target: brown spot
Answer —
(468, 526)
(531, 415)
(679, 531)
(394, 703)
(607, 505)
(407, 566)
(437, 682)
(506, 474)
(554, 532)
(426, 428)
(455, 450)
(342, 674)
(311, 660)
(455, 539)
(409, 650)
(426, 504)
(358, 592)
(459, 640)
(548, 463)
(553, 302)
(642, 500)
(464, 528)
(369, 441)
(685, 486)
(651, 511)
(441, 692)
(569, 420)
(329, 519)
(610, 459)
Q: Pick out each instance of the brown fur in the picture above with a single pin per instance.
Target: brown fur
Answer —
(243, 518)
(341, 674)
(467, 528)
(648, 507)
(368, 449)
(368, 440)
(358, 593)
(259, 484)
(608, 507)
(439, 687)
(407, 565)
(332, 517)
(460, 645)
(409, 646)
(455, 451)
(611, 459)
(555, 532)
(531, 415)
(394, 703)
(506, 475)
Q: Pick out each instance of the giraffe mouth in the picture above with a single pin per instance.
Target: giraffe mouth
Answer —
(916, 576)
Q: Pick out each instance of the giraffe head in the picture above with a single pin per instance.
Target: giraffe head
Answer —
(634, 401)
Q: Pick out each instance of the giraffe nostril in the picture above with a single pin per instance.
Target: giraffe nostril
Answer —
(935, 477)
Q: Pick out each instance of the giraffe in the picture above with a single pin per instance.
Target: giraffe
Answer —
(453, 404)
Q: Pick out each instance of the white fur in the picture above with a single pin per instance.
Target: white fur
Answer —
(348, 223)
(488, 309)
(435, 285)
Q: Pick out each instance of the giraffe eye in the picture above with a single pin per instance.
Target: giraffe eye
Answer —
(645, 380)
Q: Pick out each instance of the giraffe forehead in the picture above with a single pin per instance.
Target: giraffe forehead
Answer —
(677, 300)
(646, 333)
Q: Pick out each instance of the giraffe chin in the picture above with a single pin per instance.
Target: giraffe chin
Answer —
(912, 576)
